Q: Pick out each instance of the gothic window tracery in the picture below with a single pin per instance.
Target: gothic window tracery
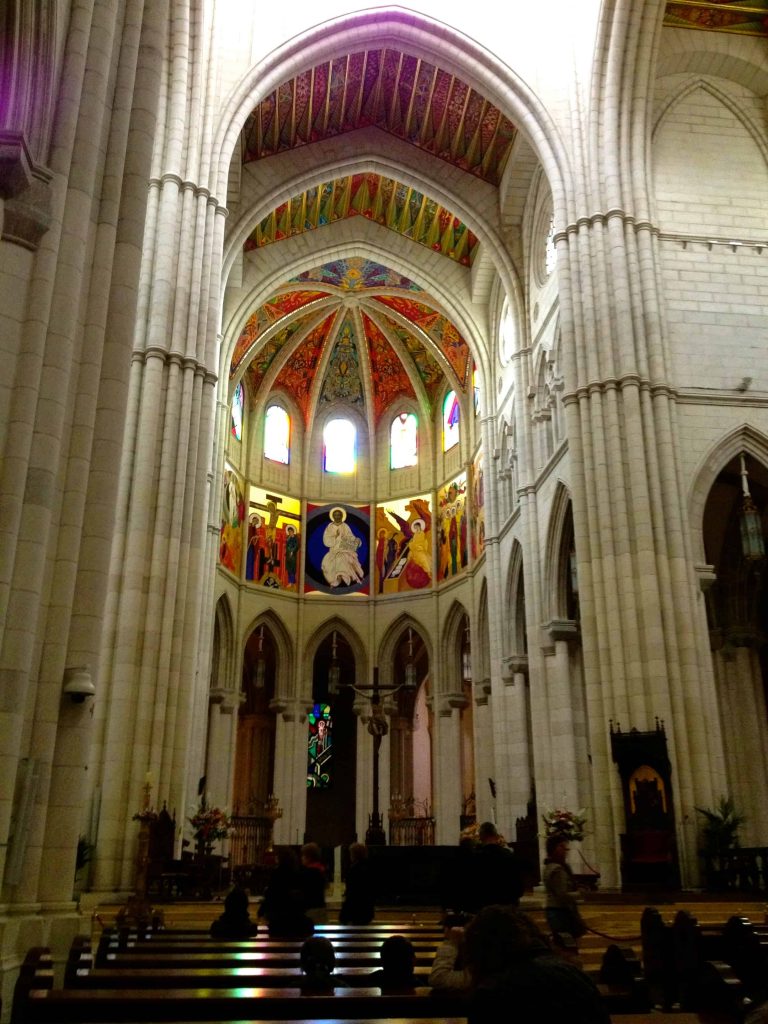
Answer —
(277, 435)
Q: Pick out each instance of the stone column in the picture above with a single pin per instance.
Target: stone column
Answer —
(222, 743)
(518, 735)
(290, 785)
(446, 765)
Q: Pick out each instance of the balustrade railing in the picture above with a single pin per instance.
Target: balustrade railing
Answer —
(249, 839)
(412, 832)
(741, 870)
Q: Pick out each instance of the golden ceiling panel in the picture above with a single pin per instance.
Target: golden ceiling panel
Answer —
(399, 93)
(720, 16)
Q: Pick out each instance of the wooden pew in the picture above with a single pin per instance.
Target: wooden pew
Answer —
(657, 959)
(52, 1006)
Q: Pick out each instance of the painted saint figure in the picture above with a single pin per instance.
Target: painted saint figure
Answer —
(291, 554)
(341, 566)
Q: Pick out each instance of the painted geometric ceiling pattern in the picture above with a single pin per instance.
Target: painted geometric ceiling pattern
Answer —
(298, 374)
(749, 18)
(266, 315)
(438, 328)
(356, 274)
(358, 353)
(397, 92)
(427, 367)
(392, 382)
(377, 198)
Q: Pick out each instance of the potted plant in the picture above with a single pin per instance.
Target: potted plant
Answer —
(720, 837)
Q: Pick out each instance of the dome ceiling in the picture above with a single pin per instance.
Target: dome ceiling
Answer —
(356, 332)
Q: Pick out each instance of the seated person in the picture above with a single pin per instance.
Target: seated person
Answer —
(448, 973)
(398, 959)
(283, 902)
(313, 882)
(511, 965)
(235, 922)
(357, 906)
(317, 960)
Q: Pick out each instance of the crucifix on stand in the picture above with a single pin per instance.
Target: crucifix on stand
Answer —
(377, 726)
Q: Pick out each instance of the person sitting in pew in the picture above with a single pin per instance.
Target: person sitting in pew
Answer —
(317, 960)
(448, 973)
(357, 906)
(511, 964)
(282, 905)
(398, 959)
(235, 922)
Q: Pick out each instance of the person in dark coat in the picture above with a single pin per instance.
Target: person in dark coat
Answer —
(398, 959)
(313, 880)
(317, 960)
(282, 905)
(512, 966)
(497, 875)
(357, 907)
(235, 922)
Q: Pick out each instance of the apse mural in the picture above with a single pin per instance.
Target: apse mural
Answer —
(477, 507)
(452, 527)
(337, 549)
(272, 557)
(403, 550)
(297, 375)
(232, 516)
(354, 274)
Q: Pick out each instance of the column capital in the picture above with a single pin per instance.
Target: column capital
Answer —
(515, 664)
(563, 629)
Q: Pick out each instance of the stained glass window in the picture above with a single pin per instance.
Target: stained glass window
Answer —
(319, 747)
(237, 413)
(403, 441)
(450, 421)
(277, 435)
(476, 390)
(339, 446)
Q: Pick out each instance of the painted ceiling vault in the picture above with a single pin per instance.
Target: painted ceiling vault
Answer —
(397, 92)
(750, 18)
(356, 332)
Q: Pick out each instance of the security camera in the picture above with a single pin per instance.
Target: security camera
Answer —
(78, 684)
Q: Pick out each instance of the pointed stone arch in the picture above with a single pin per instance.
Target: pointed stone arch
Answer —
(450, 649)
(515, 604)
(731, 103)
(481, 648)
(284, 648)
(416, 33)
(742, 439)
(560, 537)
(393, 636)
(223, 660)
(321, 633)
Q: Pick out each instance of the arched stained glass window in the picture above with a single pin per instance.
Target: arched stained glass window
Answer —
(403, 441)
(339, 446)
(277, 435)
(237, 413)
(450, 421)
(476, 390)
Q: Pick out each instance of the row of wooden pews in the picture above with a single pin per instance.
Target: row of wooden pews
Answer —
(721, 967)
(185, 975)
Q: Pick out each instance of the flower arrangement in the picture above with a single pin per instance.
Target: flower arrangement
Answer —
(568, 824)
(209, 823)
